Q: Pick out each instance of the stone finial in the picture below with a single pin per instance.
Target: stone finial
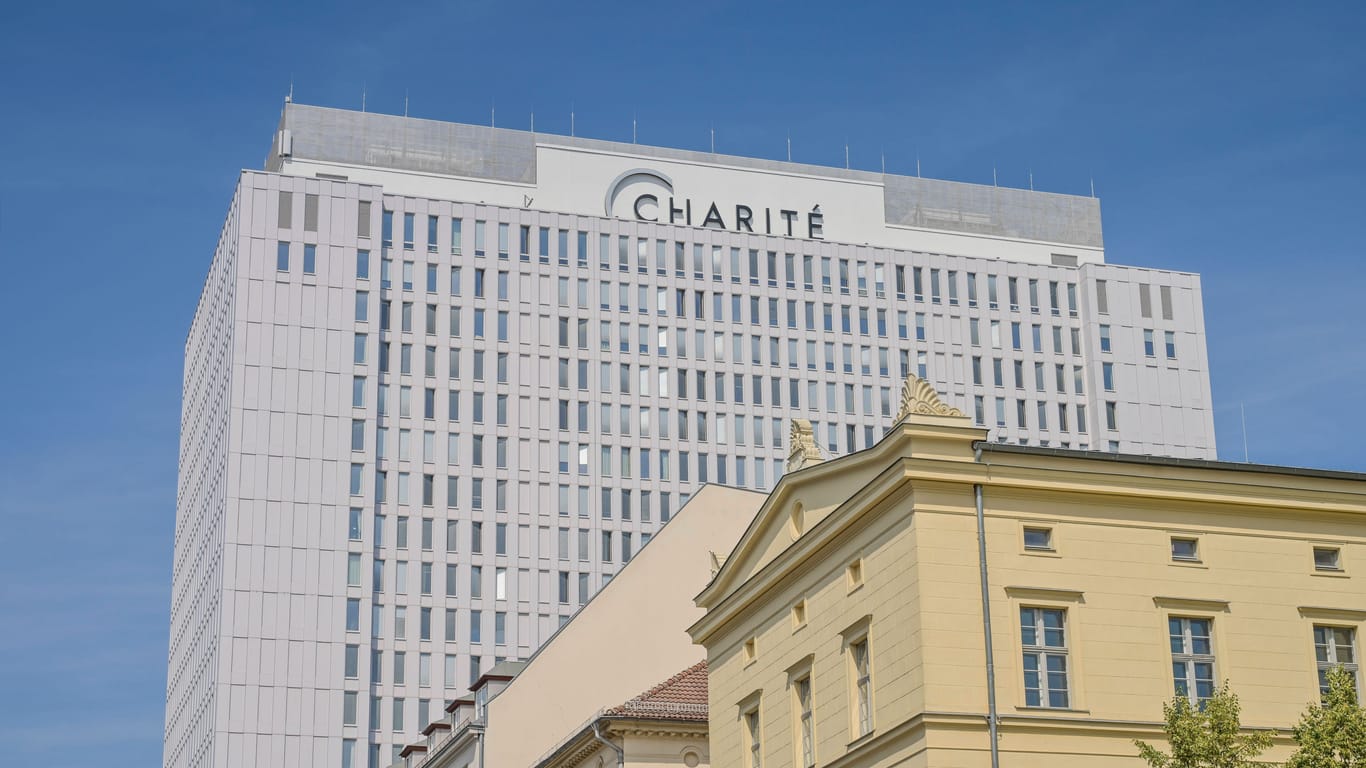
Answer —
(918, 397)
(716, 562)
(802, 449)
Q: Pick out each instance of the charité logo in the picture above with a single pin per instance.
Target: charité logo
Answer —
(662, 205)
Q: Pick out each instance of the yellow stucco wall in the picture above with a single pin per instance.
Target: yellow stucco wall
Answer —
(1112, 570)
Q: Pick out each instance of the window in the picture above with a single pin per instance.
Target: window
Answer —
(352, 614)
(349, 708)
(863, 686)
(1327, 559)
(1044, 642)
(1148, 349)
(353, 569)
(282, 257)
(351, 665)
(756, 746)
(1038, 538)
(1192, 659)
(807, 744)
(1185, 548)
(1335, 647)
(854, 575)
(1169, 340)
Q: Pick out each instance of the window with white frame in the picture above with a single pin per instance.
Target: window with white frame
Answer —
(863, 686)
(756, 746)
(1335, 647)
(1327, 559)
(1192, 659)
(807, 742)
(1043, 638)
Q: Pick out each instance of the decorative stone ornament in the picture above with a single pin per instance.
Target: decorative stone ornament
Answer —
(716, 562)
(802, 451)
(919, 398)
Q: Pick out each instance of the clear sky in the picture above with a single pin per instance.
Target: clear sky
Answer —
(1224, 139)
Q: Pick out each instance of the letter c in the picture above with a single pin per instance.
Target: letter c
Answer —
(636, 207)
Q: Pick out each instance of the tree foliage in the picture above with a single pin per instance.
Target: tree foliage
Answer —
(1208, 738)
(1332, 734)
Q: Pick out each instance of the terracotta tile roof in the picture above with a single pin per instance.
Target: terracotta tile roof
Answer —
(681, 697)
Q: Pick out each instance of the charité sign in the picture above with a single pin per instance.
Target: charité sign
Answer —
(660, 205)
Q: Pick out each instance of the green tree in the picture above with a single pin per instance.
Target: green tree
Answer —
(1332, 734)
(1211, 737)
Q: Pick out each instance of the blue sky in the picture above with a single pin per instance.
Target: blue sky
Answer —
(1224, 139)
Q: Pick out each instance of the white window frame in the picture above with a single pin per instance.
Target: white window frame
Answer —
(1330, 658)
(806, 733)
(754, 730)
(1041, 651)
(1188, 657)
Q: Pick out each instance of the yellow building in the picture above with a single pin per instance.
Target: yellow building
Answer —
(847, 626)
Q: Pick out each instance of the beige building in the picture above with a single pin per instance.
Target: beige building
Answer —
(630, 637)
(898, 605)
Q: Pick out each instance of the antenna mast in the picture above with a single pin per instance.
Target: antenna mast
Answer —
(1242, 410)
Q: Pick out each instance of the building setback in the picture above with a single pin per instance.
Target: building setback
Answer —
(444, 380)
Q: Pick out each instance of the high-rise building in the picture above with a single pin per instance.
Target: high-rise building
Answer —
(443, 380)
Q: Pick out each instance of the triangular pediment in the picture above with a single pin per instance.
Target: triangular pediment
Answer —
(926, 427)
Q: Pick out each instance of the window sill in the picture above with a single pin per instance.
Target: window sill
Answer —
(860, 741)
(1025, 708)
(1189, 564)
(1037, 552)
(1331, 574)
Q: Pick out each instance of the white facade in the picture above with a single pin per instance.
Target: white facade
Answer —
(427, 349)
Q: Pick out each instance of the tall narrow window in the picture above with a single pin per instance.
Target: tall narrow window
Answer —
(802, 689)
(1192, 659)
(863, 686)
(1044, 642)
(1335, 647)
(286, 210)
(349, 708)
(756, 745)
